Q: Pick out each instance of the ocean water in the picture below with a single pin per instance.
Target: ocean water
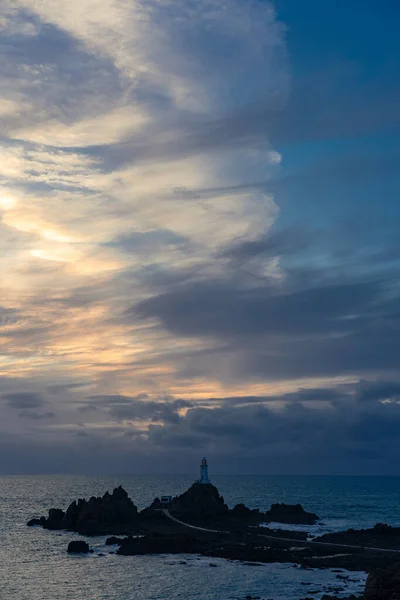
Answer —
(34, 564)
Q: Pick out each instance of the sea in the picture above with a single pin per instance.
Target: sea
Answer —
(34, 564)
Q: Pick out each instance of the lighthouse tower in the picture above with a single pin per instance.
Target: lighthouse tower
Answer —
(203, 471)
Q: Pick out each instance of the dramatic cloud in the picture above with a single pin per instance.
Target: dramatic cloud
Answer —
(193, 245)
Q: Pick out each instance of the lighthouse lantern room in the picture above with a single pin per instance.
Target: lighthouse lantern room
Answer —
(203, 471)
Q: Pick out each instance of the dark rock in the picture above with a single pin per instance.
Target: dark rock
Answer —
(113, 540)
(383, 584)
(55, 519)
(78, 547)
(201, 500)
(158, 544)
(290, 513)
(110, 513)
(380, 536)
(34, 522)
(241, 510)
(212, 565)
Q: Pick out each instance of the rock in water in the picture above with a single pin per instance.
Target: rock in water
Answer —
(242, 511)
(291, 513)
(113, 541)
(201, 500)
(34, 522)
(106, 514)
(379, 536)
(78, 547)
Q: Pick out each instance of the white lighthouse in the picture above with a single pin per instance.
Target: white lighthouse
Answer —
(203, 471)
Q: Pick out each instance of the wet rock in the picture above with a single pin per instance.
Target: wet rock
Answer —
(380, 536)
(113, 541)
(55, 519)
(78, 547)
(109, 513)
(158, 544)
(291, 513)
(34, 522)
(383, 584)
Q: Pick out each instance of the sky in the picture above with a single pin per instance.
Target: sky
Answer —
(199, 236)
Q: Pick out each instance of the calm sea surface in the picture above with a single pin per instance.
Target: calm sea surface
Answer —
(34, 564)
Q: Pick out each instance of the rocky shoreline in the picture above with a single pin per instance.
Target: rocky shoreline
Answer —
(200, 522)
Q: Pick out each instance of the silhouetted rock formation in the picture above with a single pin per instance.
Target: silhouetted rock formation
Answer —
(200, 501)
(154, 543)
(241, 510)
(96, 516)
(34, 522)
(379, 536)
(290, 513)
(78, 547)
(113, 541)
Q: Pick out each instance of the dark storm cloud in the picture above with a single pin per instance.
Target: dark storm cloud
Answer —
(140, 408)
(212, 309)
(295, 435)
(23, 400)
(35, 416)
(296, 329)
(353, 429)
(378, 390)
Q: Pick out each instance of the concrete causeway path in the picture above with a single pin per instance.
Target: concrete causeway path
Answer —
(168, 514)
(284, 539)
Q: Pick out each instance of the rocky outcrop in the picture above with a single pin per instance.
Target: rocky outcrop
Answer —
(113, 541)
(159, 544)
(33, 522)
(111, 513)
(383, 584)
(290, 513)
(78, 547)
(380, 536)
(242, 511)
(201, 501)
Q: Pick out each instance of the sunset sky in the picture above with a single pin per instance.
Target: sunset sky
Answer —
(199, 236)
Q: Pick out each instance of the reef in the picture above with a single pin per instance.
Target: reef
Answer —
(291, 514)
(114, 513)
(200, 505)
(379, 536)
(199, 521)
